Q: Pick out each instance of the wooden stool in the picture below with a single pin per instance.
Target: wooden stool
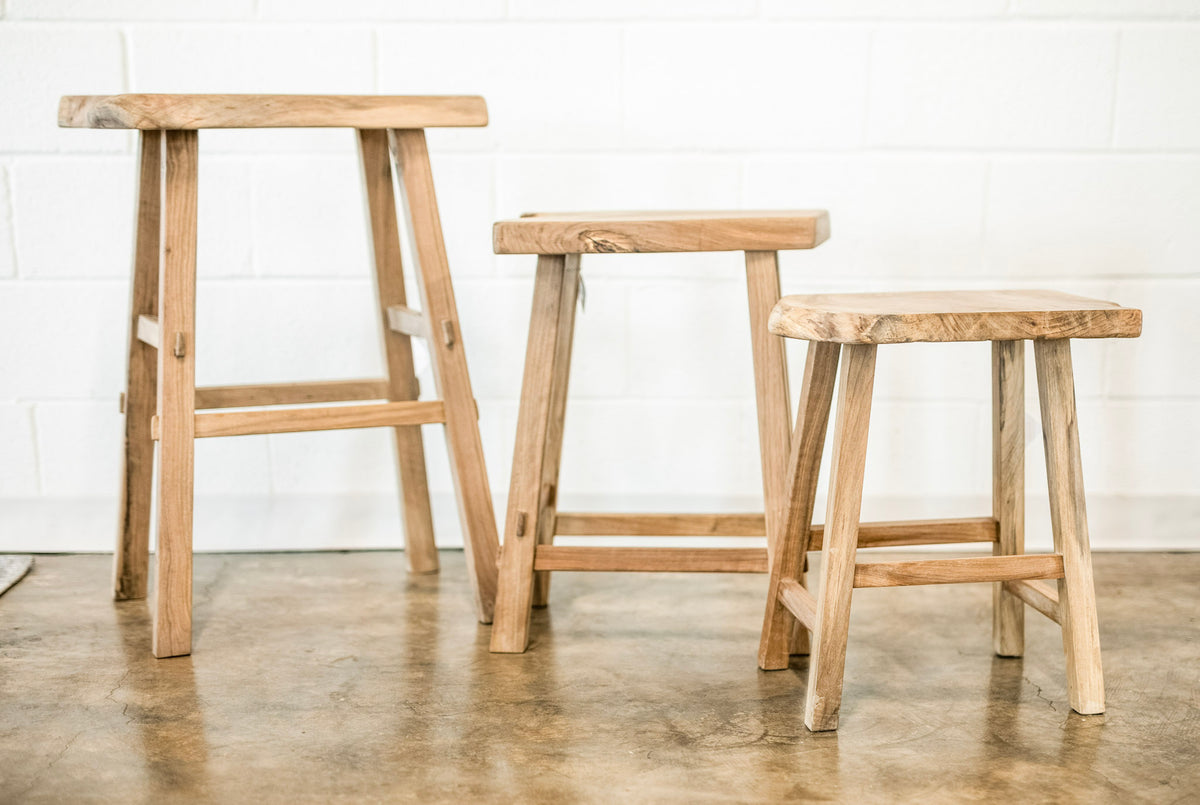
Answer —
(162, 333)
(1007, 319)
(528, 553)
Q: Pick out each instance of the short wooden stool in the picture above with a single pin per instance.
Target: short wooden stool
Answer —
(161, 400)
(528, 553)
(1007, 319)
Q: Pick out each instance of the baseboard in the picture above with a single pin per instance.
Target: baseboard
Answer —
(372, 522)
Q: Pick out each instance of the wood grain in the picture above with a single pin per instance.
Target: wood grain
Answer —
(420, 549)
(828, 662)
(771, 392)
(140, 111)
(556, 419)
(779, 639)
(449, 361)
(891, 533)
(650, 560)
(131, 561)
(958, 571)
(176, 398)
(254, 394)
(800, 602)
(1008, 487)
(892, 318)
(660, 231)
(898, 533)
(1041, 597)
(298, 420)
(1068, 518)
(510, 629)
(656, 524)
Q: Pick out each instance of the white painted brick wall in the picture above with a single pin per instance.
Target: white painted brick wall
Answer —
(745, 87)
(991, 143)
(1012, 86)
(549, 87)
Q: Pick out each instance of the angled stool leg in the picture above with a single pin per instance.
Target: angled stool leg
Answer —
(449, 366)
(1008, 487)
(176, 398)
(773, 404)
(1068, 515)
(771, 390)
(551, 290)
(552, 456)
(131, 562)
(828, 662)
(419, 547)
(787, 561)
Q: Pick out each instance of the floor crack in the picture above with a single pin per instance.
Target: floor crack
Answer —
(38, 777)
(117, 686)
(1038, 693)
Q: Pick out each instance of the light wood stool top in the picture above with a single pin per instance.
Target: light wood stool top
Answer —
(895, 318)
(181, 112)
(630, 232)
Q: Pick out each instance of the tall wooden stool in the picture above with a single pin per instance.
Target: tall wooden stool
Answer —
(161, 400)
(528, 553)
(1007, 319)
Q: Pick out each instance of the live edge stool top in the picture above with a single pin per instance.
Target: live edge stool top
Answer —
(184, 112)
(647, 232)
(895, 318)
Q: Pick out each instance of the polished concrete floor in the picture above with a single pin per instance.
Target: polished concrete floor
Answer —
(334, 677)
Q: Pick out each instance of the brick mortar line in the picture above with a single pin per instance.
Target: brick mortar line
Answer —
(909, 283)
(931, 152)
(1011, 21)
(745, 401)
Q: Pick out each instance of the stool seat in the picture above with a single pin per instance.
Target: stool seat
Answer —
(894, 318)
(270, 111)
(844, 330)
(165, 412)
(533, 520)
(634, 232)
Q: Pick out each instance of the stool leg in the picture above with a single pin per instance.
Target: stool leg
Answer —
(132, 558)
(828, 663)
(770, 389)
(449, 366)
(1008, 487)
(551, 292)
(552, 456)
(771, 395)
(787, 562)
(419, 547)
(1068, 516)
(176, 398)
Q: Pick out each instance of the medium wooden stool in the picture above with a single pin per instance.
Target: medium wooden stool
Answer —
(1007, 319)
(161, 399)
(528, 553)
